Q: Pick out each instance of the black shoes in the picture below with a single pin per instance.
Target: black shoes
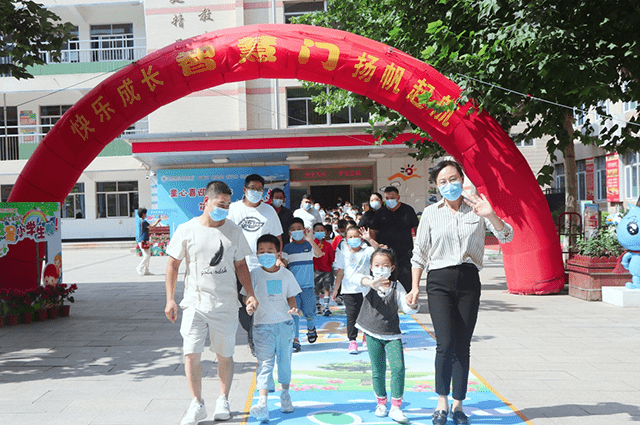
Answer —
(312, 336)
(439, 417)
(459, 418)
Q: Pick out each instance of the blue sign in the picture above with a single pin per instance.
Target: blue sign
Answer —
(183, 190)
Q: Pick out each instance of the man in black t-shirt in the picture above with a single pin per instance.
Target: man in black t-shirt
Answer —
(285, 215)
(392, 226)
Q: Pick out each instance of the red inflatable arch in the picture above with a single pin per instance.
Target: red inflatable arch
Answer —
(533, 262)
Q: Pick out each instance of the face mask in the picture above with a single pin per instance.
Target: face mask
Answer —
(317, 207)
(297, 235)
(354, 242)
(267, 260)
(277, 203)
(335, 228)
(391, 203)
(375, 205)
(218, 214)
(451, 191)
(383, 272)
(306, 206)
(338, 204)
(319, 235)
(254, 196)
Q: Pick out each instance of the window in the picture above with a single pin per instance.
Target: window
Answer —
(70, 53)
(300, 110)
(581, 167)
(578, 116)
(631, 174)
(5, 190)
(49, 115)
(73, 206)
(630, 106)
(113, 42)
(603, 107)
(298, 8)
(116, 199)
(522, 142)
(601, 178)
(558, 170)
(9, 143)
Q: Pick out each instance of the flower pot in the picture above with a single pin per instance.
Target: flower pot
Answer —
(27, 317)
(53, 312)
(12, 319)
(587, 276)
(64, 310)
(41, 315)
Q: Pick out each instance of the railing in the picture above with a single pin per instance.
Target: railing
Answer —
(100, 49)
(33, 135)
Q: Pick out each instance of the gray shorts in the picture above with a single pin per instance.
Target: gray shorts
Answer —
(323, 280)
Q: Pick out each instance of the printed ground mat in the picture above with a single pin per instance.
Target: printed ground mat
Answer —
(332, 387)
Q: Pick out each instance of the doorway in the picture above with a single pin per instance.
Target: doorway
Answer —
(328, 196)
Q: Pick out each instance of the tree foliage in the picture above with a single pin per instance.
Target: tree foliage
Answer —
(510, 54)
(27, 29)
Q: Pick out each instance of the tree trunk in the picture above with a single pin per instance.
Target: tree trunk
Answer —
(570, 178)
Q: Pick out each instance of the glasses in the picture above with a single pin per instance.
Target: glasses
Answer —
(443, 182)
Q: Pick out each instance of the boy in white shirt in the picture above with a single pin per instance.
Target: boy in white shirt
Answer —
(276, 288)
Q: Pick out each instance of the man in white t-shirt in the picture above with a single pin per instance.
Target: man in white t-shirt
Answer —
(256, 218)
(214, 249)
(307, 212)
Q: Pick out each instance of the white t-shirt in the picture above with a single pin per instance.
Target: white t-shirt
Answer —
(310, 217)
(271, 291)
(210, 253)
(255, 222)
(353, 264)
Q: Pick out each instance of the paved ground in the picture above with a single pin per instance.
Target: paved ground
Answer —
(116, 359)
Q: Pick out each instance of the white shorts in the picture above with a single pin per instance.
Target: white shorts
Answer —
(222, 331)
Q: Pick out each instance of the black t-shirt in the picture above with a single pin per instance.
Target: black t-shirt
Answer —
(367, 218)
(144, 231)
(394, 228)
(285, 215)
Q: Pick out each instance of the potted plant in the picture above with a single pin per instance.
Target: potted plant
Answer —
(66, 294)
(592, 268)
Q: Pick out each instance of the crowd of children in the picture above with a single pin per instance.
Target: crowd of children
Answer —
(364, 282)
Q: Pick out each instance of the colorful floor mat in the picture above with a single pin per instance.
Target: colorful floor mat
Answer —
(332, 387)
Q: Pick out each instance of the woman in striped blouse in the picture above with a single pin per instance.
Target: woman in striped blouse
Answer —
(450, 246)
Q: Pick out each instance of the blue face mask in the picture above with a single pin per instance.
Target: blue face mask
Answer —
(354, 242)
(254, 196)
(277, 203)
(297, 235)
(218, 214)
(306, 206)
(451, 191)
(391, 203)
(374, 205)
(319, 235)
(267, 260)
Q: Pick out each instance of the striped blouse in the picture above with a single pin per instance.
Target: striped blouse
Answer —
(445, 238)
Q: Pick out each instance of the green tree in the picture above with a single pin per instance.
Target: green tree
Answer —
(567, 53)
(27, 29)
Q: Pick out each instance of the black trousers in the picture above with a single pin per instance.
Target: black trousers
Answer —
(246, 321)
(454, 299)
(352, 305)
(404, 272)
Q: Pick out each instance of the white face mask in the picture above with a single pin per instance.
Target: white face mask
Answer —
(375, 204)
(384, 272)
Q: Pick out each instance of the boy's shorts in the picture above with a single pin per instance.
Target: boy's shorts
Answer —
(323, 280)
(222, 331)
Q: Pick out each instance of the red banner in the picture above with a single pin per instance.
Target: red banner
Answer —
(613, 178)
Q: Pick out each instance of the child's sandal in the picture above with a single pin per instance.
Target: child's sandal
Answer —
(312, 336)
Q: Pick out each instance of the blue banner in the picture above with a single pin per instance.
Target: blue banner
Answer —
(183, 190)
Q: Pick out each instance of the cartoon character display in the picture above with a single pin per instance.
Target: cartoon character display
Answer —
(50, 275)
(628, 232)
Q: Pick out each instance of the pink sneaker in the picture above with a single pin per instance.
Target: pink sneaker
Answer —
(353, 347)
(364, 341)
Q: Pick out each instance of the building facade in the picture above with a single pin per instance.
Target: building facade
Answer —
(242, 124)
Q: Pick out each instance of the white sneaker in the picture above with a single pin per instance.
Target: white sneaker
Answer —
(286, 406)
(223, 409)
(195, 413)
(381, 410)
(260, 412)
(396, 414)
